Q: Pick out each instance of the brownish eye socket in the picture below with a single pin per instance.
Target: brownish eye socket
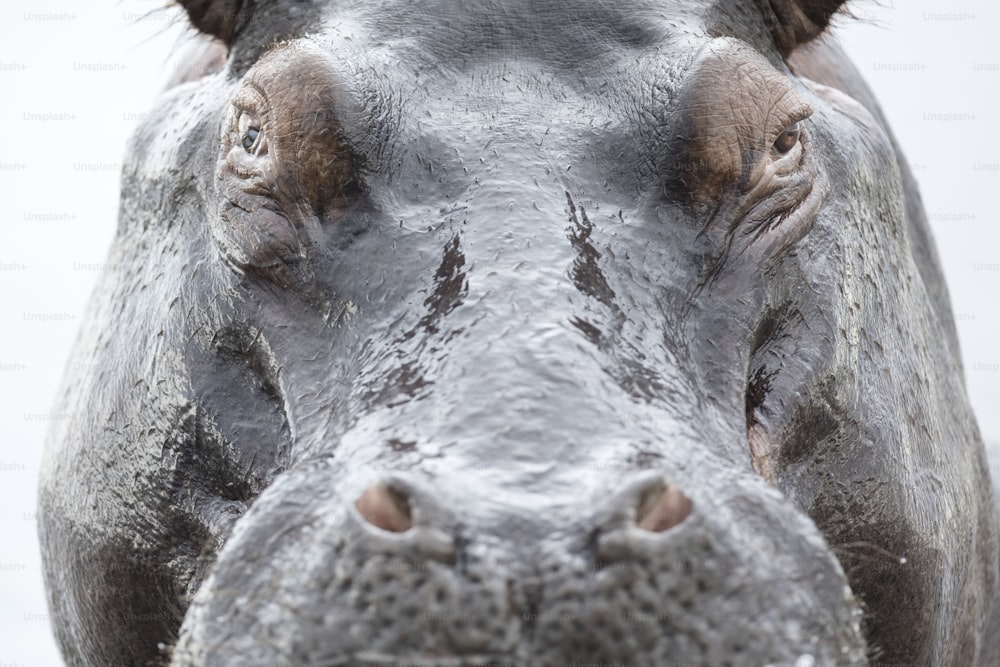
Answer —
(787, 140)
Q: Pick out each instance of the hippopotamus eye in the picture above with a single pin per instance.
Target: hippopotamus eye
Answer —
(250, 137)
(249, 128)
(787, 140)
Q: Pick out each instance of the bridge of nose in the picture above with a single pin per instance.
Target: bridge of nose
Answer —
(518, 360)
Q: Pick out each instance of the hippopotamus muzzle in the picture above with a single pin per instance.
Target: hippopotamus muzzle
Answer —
(420, 582)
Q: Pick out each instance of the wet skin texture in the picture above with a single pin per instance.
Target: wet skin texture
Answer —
(521, 331)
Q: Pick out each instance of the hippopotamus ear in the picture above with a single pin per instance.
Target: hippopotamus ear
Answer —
(795, 22)
(219, 18)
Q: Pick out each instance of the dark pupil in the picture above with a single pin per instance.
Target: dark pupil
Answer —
(250, 138)
(786, 140)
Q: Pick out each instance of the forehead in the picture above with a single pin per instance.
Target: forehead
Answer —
(559, 29)
(562, 34)
(614, 58)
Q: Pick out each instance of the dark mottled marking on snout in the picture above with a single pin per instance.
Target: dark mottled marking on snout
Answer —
(586, 272)
(629, 368)
(402, 383)
(407, 379)
(591, 332)
(450, 286)
(397, 445)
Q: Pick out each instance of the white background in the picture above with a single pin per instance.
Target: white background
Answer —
(59, 180)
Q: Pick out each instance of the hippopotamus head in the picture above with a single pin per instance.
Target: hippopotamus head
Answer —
(518, 332)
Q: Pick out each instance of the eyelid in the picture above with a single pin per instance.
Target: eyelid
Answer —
(800, 112)
(251, 98)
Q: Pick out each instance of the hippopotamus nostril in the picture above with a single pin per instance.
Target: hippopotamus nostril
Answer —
(400, 516)
(386, 508)
(662, 508)
(639, 517)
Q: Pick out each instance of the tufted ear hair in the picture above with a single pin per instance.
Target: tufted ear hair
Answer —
(795, 22)
(219, 18)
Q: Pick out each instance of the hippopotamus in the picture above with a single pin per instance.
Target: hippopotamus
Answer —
(520, 332)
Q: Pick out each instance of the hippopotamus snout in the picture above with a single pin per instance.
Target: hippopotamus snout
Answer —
(405, 569)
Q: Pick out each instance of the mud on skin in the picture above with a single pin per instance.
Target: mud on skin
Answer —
(520, 332)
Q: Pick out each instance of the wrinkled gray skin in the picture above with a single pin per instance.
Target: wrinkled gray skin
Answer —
(511, 271)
